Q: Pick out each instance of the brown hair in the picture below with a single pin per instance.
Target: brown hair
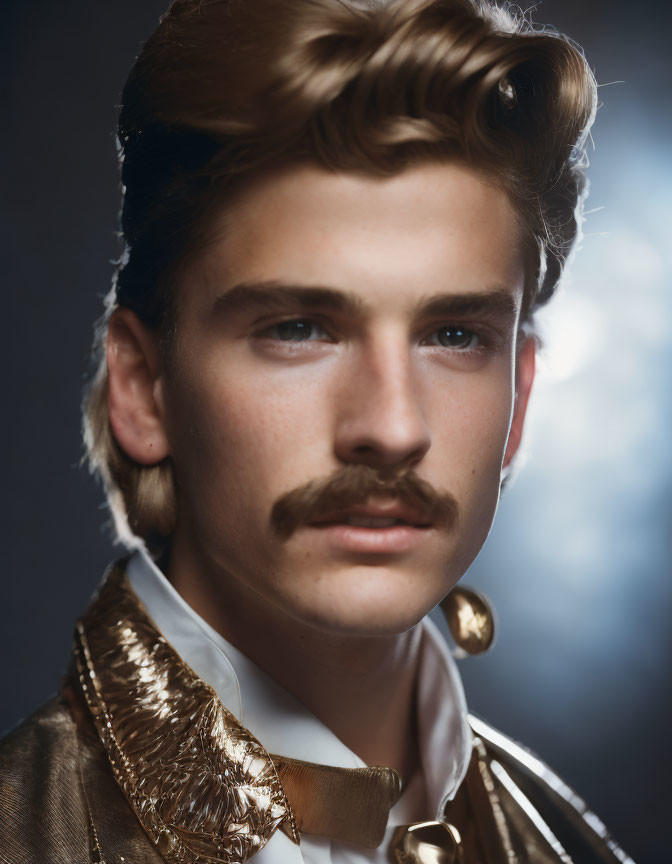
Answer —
(224, 88)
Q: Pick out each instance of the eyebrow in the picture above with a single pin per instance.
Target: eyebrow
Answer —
(497, 302)
(273, 295)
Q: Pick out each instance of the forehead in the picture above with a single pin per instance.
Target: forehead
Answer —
(435, 227)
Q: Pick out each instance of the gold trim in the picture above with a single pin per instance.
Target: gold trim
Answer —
(203, 788)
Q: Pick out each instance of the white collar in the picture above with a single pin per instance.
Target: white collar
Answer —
(282, 724)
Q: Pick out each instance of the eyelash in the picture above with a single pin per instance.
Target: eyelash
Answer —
(472, 334)
(482, 341)
(289, 321)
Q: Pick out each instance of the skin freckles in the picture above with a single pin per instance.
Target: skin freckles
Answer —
(251, 415)
(336, 325)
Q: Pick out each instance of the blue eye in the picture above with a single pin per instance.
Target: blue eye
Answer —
(295, 330)
(456, 337)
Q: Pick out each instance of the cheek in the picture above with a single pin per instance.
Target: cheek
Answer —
(471, 423)
(242, 438)
(471, 430)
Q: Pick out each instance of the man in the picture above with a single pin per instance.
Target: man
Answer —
(315, 367)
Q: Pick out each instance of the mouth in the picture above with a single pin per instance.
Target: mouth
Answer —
(388, 528)
(372, 515)
(372, 522)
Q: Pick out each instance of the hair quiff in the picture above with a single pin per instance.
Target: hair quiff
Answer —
(224, 88)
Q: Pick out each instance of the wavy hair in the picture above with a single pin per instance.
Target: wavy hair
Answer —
(224, 88)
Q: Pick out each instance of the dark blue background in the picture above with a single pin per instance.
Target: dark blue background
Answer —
(578, 561)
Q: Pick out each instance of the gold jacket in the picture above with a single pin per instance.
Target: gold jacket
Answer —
(137, 762)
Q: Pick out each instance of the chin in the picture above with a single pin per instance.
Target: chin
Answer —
(366, 601)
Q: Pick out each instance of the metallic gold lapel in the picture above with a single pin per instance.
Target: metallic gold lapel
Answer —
(202, 786)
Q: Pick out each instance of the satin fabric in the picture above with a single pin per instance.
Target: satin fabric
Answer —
(60, 801)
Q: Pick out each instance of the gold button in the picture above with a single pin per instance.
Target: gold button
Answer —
(165, 842)
(427, 843)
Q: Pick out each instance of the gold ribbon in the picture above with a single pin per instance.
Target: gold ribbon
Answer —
(350, 805)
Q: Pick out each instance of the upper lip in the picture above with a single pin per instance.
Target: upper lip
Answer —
(378, 510)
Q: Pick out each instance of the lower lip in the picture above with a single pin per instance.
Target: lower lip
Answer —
(381, 541)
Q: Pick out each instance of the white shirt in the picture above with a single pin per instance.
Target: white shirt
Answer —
(284, 726)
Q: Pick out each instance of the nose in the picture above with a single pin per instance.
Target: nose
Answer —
(380, 420)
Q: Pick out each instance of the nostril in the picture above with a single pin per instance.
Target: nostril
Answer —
(385, 457)
(364, 450)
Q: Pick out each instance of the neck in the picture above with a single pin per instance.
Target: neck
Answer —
(360, 687)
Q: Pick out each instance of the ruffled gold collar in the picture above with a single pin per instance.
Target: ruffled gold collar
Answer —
(203, 788)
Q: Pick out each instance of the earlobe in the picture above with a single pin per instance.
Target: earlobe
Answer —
(525, 366)
(135, 401)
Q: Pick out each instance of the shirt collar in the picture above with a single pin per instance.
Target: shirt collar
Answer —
(282, 723)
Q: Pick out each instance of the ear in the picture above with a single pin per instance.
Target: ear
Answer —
(135, 400)
(525, 364)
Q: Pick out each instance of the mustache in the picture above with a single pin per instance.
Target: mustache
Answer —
(354, 485)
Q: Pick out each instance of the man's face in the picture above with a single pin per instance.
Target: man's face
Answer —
(337, 321)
